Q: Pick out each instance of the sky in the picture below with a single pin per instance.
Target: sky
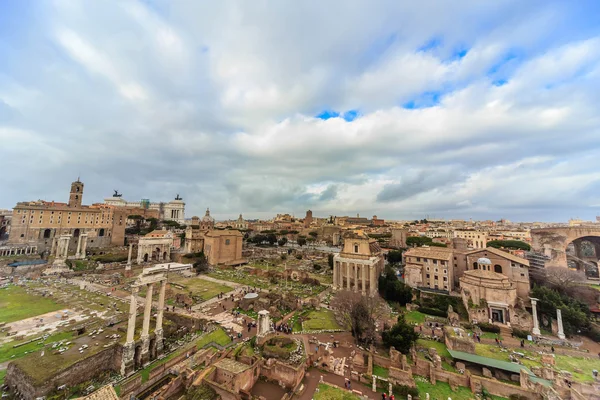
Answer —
(462, 109)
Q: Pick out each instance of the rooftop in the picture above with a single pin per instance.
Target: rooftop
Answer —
(440, 253)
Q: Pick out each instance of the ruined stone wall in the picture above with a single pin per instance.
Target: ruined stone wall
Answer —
(78, 372)
(278, 371)
(498, 388)
(192, 323)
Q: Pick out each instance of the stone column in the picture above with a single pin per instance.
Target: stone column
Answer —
(158, 331)
(145, 337)
(363, 270)
(78, 252)
(127, 361)
(84, 239)
(561, 333)
(348, 276)
(536, 326)
(374, 387)
(372, 281)
(335, 274)
(355, 273)
(67, 240)
(128, 266)
(264, 322)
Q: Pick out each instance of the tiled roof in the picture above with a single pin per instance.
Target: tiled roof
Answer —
(501, 253)
(439, 253)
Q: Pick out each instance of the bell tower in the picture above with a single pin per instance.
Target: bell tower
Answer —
(76, 194)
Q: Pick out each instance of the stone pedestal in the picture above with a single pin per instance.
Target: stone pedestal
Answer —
(561, 333)
(127, 361)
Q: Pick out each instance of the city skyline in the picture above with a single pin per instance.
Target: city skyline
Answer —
(384, 109)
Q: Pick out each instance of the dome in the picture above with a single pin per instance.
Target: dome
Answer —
(207, 217)
(485, 261)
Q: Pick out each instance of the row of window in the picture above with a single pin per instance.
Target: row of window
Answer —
(442, 262)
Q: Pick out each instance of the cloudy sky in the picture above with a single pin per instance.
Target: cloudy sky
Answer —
(455, 109)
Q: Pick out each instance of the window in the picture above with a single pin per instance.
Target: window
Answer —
(418, 259)
(355, 248)
(435, 277)
(436, 270)
(497, 268)
(427, 274)
(445, 279)
(435, 262)
(424, 260)
(227, 241)
(522, 274)
(427, 268)
(446, 271)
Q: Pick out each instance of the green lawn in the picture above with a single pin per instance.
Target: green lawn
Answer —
(442, 391)
(414, 317)
(570, 364)
(2, 375)
(327, 392)
(319, 320)
(380, 371)
(441, 348)
(7, 351)
(218, 336)
(16, 304)
(199, 287)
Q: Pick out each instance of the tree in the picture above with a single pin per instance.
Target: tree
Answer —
(394, 256)
(282, 241)
(330, 260)
(358, 313)
(509, 244)
(401, 336)
(575, 314)
(561, 278)
(301, 241)
(201, 263)
(283, 232)
(313, 234)
(271, 238)
(418, 241)
(392, 289)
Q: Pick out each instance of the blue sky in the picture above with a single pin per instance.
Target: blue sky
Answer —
(463, 109)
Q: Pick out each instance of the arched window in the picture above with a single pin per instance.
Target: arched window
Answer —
(498, 268)
(101, 232)
(47, 233)
(475, 265)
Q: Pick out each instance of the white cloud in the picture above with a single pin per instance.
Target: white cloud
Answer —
(216, 101)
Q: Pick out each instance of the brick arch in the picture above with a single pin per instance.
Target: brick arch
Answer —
(553, 242)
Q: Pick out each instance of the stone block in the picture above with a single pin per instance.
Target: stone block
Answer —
(487, 373)
(460, 366)
(548, 359)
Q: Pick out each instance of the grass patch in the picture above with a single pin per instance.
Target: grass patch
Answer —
(569, 363)
(380, 371)
(414, 317)
(2, 375)
(8, 352)
(493, 351)
(322, 319)
(251, 313)
(16, 304)
(327, 392)
(441, 348)
(200, 289)
(442, 391)
(218, 336)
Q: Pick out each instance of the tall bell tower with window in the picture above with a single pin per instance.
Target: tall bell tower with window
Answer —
(76, 194)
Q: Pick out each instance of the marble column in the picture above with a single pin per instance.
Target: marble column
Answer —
(536, 325)
(363, 270)
(335, 274)
(347, 276)
(145, 336)
(78, 252)
(127, 359)
(83, 245)
(372, 281)
(66, 246)
(158, 331)
(561, 333)
(355, 276)
(128, 266)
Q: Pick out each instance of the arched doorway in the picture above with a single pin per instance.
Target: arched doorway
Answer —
(47, 233)
(146, 257)
(101, 232)
(165, 255)
(582, 255)
(498, 268)
(156, 254)
(76, 232)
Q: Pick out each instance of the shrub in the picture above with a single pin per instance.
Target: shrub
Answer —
(484, 326)
(403, 391)
(515, 396)
(434, 311)
(299, 256)
(316, 267)
(593, 334)
(520, 333)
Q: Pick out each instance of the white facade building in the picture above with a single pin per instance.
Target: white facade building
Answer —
(173, 210)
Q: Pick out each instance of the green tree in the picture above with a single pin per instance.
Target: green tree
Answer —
(301, 241)
(313, 234)
(392, 289)
(401, 336)
(418, 241)
(201, 263)
(509, 244)
(282, 241)
(394, 256)
(271, 238)
(575, 314)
